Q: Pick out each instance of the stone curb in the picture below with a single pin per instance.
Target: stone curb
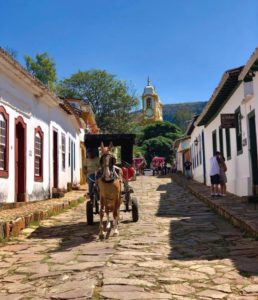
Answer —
(224, 212)
(13, 228)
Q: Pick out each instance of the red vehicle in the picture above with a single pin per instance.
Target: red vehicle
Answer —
(139, 163)
(157, 163)
(129, 173)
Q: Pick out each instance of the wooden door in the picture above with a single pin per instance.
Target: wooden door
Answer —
(55, 159)
(253, 151)
(20, 160)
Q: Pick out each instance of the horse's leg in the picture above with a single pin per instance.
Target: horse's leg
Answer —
(101, 215)
(116, 215)
(108, 221)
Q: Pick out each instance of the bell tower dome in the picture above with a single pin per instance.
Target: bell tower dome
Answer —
(151, 105)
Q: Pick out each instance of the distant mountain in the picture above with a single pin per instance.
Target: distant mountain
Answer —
(181, 113)
(178, 113)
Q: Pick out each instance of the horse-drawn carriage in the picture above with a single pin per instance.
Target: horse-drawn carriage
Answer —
(157, 164)
(139, 163)
(125, 142)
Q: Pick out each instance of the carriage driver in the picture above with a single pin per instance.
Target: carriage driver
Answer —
(91, 167)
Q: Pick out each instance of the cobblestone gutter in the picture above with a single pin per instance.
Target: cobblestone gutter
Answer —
(13, 221)
(239, 213)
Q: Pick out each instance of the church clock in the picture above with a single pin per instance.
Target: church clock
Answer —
(152, 107)
(149, 112)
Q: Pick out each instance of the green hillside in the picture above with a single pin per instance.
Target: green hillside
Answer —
(181, 113)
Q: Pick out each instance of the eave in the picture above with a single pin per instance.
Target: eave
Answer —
(228, 84)
(250, 67)
(20, 72)
(191, 126)
(177, 141)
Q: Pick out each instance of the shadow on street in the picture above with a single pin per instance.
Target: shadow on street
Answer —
(70, 235)
(198, 233)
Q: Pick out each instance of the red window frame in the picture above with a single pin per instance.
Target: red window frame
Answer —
(4, 173)
(63, 150)
(39, 177)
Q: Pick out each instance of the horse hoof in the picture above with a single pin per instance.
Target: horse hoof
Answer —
(116, 233)
(101, 236)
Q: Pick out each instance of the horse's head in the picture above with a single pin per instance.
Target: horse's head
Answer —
(107, 161)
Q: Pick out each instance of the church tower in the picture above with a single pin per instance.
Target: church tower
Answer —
(151, 105)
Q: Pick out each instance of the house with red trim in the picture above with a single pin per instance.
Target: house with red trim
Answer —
(40, 137)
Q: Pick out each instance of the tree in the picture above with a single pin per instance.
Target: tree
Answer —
(182, 118)
(160, 128)
(157, 146)
(42, 67)
(111, 99)
(156, 139)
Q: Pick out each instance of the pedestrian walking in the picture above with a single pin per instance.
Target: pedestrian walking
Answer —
(215, 174)
(222, 175)
(187, 166)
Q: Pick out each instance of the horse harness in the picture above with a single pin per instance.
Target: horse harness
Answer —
(114, 171)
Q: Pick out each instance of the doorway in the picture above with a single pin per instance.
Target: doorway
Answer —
(253, 151)
(72, 161)
(55, 159)
(20, 160)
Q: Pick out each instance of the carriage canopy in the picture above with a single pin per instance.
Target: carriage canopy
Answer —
(125, 141)
(158, 161)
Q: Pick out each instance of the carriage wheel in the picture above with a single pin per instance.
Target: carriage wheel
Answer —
(89, 212)
(127, 201)
(135, 212)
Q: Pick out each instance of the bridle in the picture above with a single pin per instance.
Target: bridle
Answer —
(107, 162)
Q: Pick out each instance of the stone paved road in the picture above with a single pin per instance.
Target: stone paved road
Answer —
(179, 249)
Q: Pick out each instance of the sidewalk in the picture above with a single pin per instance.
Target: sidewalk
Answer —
(13, 220)
(233, 208)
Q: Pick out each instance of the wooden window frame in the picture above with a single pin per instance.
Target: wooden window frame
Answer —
(38, 130)
(221, 144)
(200, 148)
(228, 143)
(5, 173)
(69, 152)
(74, 161)
(214, 141)
(238, 131)
(63, 147)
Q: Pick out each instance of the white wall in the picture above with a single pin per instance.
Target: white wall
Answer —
(196, 152)
(179, 161)
(19, 100)
(239, 171)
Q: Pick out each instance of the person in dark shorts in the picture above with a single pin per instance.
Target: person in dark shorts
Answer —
(223, 176)
(215, 174)
(187, 166)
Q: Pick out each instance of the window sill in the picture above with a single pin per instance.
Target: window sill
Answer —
(4, 174)
(240, 152)
(38, 178)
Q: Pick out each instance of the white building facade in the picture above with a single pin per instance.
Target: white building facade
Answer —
(237, 97)
(197, 151)
(39, 138)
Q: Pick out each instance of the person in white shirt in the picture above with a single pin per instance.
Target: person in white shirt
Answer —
(91, 167)
(214, 174)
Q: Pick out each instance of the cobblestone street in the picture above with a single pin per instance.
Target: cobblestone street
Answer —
(179, 249)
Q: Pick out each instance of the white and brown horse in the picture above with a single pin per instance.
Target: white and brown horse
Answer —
(110, 191)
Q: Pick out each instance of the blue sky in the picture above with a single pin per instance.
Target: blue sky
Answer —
(184, 45)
